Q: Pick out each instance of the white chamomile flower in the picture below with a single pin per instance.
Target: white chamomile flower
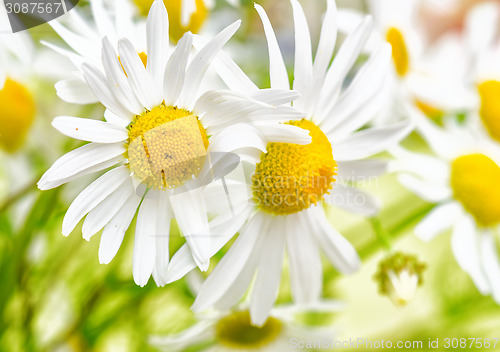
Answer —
(158, 134)
(233, 331)
(463, 180)
(417, 76)
(290, 183)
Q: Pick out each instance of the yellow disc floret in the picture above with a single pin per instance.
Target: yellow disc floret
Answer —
(17, 112)
(400, 55)
(176, 27)
(474, 180)
(166, 147)
(489, 92)
(236, 332)
(291, 177)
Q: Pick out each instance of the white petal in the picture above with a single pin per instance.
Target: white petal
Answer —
(91, 196)
(343, 61)
(267, 283)
(324, 52)
(283, 133)
(428, 191)
(113, 233)
(158, 43)
(228, 70)
(491, 263)
(79, 160)
(162, 240)
(199, 333)
(114, 72)
(230, 266)
(353, 200)
(75, 91)
(111, 117)
(465, 246)
(306, 273)
(191, 215)
(277, 68)
(371, 141)
(303, 51)
(427, 167)
(182, 262)
(146, 232)
(240, 138)
(81, 45)
(140, 80)
(176, 70)
(360, 170)
(89, 130)
(274, 96)
(97, 82)
(98, 217)
(439, 219)
(199, 66)
(338, 250)
(102, 19)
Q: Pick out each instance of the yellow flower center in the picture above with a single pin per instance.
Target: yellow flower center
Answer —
(489, 93)
(176, 27)
(17, 112)
(474, 180)
(166, 147)
(400, 55)
(290, 177)
(236, 332)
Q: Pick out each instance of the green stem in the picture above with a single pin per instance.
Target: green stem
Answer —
(382, 235)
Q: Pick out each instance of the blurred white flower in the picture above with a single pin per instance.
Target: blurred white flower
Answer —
(291, 183)
(418, 76)
(233, 331)
(463, 180)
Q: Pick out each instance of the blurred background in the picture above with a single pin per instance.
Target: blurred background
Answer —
(55, 296)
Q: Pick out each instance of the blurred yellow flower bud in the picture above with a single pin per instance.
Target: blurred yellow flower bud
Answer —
(17, 112)
(177, 27)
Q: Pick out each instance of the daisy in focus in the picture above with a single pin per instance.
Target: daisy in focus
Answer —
(462, 179)
(290, 184)
(420, 76)
(158, 134)
(233, 331)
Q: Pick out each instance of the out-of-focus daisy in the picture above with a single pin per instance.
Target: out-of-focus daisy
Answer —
(17, 105)
(233, 331)
(291, 183)
(417, 76)
(158, 133)
(463, 180)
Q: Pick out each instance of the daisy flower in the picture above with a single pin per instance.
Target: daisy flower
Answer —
(462, 179)
(158, 133)
(233, 331)
(417, 75)
(290, 184)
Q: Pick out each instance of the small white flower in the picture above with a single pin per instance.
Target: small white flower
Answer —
(290, 216)
(157, 135)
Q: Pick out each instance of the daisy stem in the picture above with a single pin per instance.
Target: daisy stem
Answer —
(382, 234)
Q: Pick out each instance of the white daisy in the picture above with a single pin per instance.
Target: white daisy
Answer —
(463, 180)
(157, 133)
(233, 331)
(418, 76)
(290, 183)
